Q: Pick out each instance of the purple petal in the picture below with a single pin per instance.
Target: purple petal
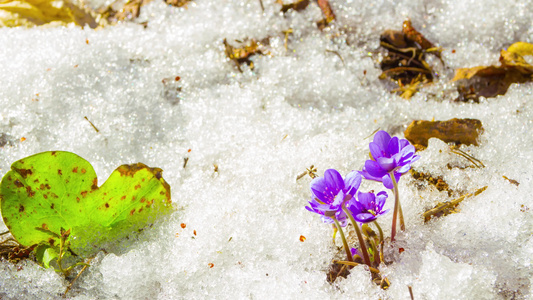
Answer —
(334, 180)
(381, 198)
(376, 151)
(337, 202)
(404, 142)
(387, 182)
(318, 186)
(355, 207)
(404, 168)
(386, 163)
(383, 212)
(382, 138)
(366, 200)
(374, 169)
(394, 146)
(367, 176)
(327, 220)
(352, 182)
(406, 150)
(364, 217)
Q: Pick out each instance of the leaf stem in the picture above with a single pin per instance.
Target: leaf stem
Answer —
(362, 244)
(375, 251)
(344, 242)
(381, 242)
(397, 207)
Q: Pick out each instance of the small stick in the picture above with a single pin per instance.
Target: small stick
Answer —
(469, 157)
(411, 292)
(77, 276)
(91, 124)
(351, 263)
(309, 171)
(286, 40)
(262, 6)
(373, 132)
(336, 53)
(185, 160)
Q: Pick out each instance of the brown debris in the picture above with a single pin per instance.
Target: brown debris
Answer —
(127, 12)
(404, 61)
(242, 55)
(11, 250)
(492, 81)
(457, 131)
(449, 207)
(300, 5)
(437, 182)
(177, 3)
(335, 270)
(297, 6)
(512, 181)
(329, 16)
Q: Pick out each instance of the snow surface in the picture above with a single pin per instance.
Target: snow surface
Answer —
(262, 128)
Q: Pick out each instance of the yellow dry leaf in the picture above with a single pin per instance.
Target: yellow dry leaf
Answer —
(31, 13)
(467, 73)
(521, 48)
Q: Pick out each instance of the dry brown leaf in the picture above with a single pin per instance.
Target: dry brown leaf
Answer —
(404, 61)
(297, 6)
(457, 131)
(490, 81)
(178, 3)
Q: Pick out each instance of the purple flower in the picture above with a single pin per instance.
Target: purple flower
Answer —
(388, 154)
(330, 192)
(367, 207)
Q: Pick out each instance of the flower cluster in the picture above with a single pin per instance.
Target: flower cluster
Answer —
(338, 199)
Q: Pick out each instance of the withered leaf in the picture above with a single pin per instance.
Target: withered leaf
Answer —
(30, 13)
(297, 6)
(404, 61)
(118, 12)
(413, 35)
(457, 131)
(242, 55)
(491, 81)
(177, 3)
(329, 16)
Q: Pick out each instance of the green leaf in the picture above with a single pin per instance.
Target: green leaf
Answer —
(45, 254)
(52, 190)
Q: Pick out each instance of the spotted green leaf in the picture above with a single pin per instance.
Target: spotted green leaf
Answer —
(52, 190)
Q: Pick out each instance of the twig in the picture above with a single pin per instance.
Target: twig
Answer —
(77, 276)
(91, 124)
(351, 263)
(336, 53)
(442, 208)
(468, 157)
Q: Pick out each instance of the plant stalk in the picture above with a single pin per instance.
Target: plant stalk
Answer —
(396, 207)
(366, 258)
(344, 242)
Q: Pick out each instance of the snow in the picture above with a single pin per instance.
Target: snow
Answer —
(263, 127)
